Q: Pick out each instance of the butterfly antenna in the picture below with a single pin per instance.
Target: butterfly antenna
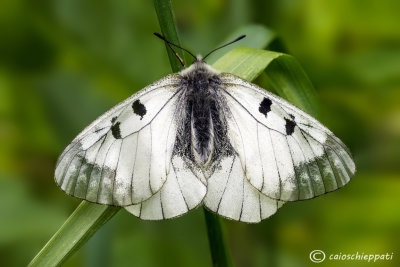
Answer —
(177, 56)
(169, 45)
(234, 41)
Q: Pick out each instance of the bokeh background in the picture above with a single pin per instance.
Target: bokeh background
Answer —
(64, 62)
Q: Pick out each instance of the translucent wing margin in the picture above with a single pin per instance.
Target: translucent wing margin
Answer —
(286, 154)
(120, 159)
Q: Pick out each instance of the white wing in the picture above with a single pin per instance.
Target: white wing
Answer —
(231, 195)
(285, 153)
(182, 192)
(120, 159)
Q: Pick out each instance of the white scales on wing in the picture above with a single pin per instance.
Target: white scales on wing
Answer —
(286, 154)
(203, 137)
(120, 159)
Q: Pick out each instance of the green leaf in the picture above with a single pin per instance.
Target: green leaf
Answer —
(257, 36)
(284, 75)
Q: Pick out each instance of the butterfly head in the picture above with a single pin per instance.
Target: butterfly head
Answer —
(199, 75)
(198, 60)
(198, 67)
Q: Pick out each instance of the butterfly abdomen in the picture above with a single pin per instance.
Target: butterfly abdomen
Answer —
(201, 129)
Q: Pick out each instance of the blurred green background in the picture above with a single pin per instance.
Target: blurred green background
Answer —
(64, 62)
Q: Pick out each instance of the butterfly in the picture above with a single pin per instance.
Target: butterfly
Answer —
(200, 137)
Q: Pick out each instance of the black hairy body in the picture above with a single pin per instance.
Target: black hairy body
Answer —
(202, 130)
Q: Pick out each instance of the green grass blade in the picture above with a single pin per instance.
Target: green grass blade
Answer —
(166, 20)
(77, 229)
(220, 254)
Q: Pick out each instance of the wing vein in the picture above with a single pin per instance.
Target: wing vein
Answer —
(123, 106)
(276, 164)
(79, 171)
(67, 168)
(101, 172)
(162, 207)
(227, 181)
(259, 204)
(151, 149)
(241, 138)
(71, 145)
(155, 114)
(276, 98)
(333, 149)
(92, 166)
(333, 170)
(327, 156)
(342, 162)
(115, 173)
(294, 168)
(134, 164)
(179, 185)
(140, 211)
(330, 135)
(241, 208)
(315, 158)
(250, 112)
(308, 170)
(259, 154)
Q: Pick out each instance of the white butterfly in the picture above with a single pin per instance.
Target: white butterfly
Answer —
(200, 137)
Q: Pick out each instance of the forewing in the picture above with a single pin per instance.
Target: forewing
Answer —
(231, 195)
(286, 154)
(182, 192)
(123, 157)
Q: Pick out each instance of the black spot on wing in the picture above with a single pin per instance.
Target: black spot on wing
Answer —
(115, 130)
(113, 119)
(139, 109)
(290, 124)
(265, 106)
